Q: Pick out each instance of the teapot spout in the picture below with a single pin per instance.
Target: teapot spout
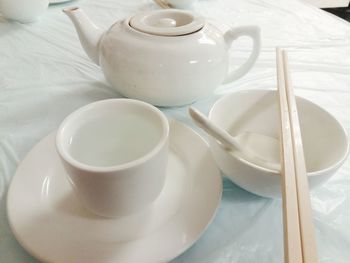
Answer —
(89, 33)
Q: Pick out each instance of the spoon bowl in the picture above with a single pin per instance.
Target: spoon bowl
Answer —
(257, 148)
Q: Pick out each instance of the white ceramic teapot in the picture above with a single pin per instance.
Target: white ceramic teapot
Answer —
(165, 57)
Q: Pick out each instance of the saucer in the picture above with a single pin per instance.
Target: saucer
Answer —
(49, 222)
(58, 1)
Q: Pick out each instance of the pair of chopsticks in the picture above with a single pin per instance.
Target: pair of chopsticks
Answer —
(163, 4)
(299, 233)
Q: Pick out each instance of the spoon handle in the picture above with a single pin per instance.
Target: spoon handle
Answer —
(219, 134)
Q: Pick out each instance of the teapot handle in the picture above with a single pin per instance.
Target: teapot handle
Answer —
(233, 34)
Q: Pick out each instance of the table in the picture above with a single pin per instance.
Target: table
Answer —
(329, 3)
(45, 75)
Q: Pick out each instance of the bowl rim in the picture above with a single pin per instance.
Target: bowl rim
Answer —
(334, 166)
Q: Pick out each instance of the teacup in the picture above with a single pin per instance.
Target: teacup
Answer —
(115, 153)
(24, 11)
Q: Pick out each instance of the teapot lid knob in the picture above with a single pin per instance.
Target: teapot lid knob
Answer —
(166, 22)
(169, 22)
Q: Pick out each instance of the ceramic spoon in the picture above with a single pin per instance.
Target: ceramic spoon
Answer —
(257, 148)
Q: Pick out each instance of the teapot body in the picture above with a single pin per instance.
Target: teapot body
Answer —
(165, 57)
(163, 70)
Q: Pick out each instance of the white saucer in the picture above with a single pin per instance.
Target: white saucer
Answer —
(58, 1)
(49, 222)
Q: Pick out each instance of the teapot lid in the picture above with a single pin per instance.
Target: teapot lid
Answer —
(169, 22)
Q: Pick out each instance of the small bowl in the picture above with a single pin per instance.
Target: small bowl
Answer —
(325, 141)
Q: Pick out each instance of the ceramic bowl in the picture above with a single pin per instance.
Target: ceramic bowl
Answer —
(325, 141)
(23, 11)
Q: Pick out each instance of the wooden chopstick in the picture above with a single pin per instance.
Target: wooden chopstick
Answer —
(163, 4)
(308, 239)
(299, 233)
(292, 238)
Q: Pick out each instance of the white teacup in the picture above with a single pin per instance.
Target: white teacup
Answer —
(115, 153)
(24, 11)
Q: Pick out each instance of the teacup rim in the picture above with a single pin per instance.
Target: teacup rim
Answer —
(277, 173)
(63, 152)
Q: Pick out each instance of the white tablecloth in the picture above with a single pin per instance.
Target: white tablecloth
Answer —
(45, 75)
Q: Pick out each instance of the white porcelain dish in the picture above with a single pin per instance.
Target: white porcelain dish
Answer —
(50, 223)
(58, 1)
(180, 4)
(325, 141)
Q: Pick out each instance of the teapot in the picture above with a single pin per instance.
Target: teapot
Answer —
(164, 57)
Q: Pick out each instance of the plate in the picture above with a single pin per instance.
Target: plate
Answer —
(49, 222)
(58, 1)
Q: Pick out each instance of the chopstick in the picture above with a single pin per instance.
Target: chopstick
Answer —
(292, 237)
(162, 4)
(299, 234)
